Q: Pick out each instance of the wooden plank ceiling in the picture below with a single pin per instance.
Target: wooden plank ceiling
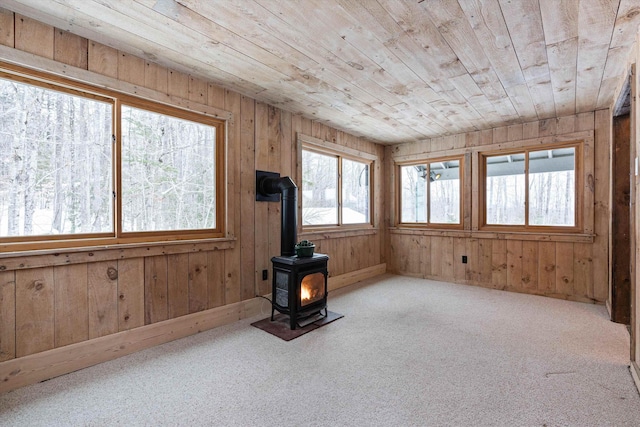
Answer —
(389, 70)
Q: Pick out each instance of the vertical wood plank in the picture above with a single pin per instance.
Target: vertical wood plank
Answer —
(275, 165)
(261, 224)
(70, 49)
(485, 252)
(130, 293)
(156, 77)
(7, 314)
(447, 259)
(155, 289)
(601, 268)
(514, 264)
(34, 311)
(198, 90)
(102, 59)
(436, 256)
(7, 35)
(33, 36)
(459, 269)
(178, 84)
(102, 278)
(582, 270)
(498, 264)
(564, 268)
(130, 69)
(215, 278)
(547, 267)
(425, 259)
(530, 265)
(177, 285)
(233, 287)
(248, 270)
(198, 287)
(216, 96)
(71, 304)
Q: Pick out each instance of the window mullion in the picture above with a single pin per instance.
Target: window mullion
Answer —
(339, 190)
(117, 169)
(526, 189)
(427, 183)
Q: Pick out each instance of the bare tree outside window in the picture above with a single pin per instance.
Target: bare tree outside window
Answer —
(444, 192)
(168, 172)
(430, 192)
(319, 189)
(56, 167)
(355, 192)
(550, 177)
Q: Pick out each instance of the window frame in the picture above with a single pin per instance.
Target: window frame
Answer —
(579, 171)
(327, 148)
(116, 98)
(427, 161)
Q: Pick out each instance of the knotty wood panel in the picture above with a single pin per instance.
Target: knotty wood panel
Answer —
(216, 278)
(514, 264)
(71, 304)
(248, 272)
(102, 278)
(155, 289)
(70, 49)
(499, 264)
(33, 37)
(7, 315)
(6, 28)
(102, 59)
(198, 287)
(178, 285)
(232, 285)
(131, 293)
(564, 268)
(34, 311)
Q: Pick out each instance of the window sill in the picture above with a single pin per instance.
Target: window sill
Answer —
(20, 260)
(497, 235)
(337, 233)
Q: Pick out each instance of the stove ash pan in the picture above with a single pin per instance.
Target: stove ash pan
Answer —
(299, 287)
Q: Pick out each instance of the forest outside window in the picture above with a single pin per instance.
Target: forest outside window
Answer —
(532, 188)
(83, 165)
(336, 189)
(430, 193)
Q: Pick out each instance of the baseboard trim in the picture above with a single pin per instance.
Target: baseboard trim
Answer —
(635, 373)
(355, 276)
(16, 373)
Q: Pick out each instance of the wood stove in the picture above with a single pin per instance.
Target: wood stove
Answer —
(300, 288)
(299, 283)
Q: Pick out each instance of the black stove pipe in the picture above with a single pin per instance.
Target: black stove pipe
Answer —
(289, 191)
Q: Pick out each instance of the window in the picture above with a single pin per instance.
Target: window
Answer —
(336, 185)
(532, 188)
(85, 164)
(430, 192)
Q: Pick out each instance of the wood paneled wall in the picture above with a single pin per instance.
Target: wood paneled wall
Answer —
(54, 300)
(568, 267)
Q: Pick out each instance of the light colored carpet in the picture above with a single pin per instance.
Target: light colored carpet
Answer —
(408, 352)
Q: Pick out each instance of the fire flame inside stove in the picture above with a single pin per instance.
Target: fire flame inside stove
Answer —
(311, 288)
(305, 293)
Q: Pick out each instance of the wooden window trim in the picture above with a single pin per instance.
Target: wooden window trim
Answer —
(327, 148)
(199, 114)
(428, 225)
(579, 173)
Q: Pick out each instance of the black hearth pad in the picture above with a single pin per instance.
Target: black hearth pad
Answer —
(280, 325)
